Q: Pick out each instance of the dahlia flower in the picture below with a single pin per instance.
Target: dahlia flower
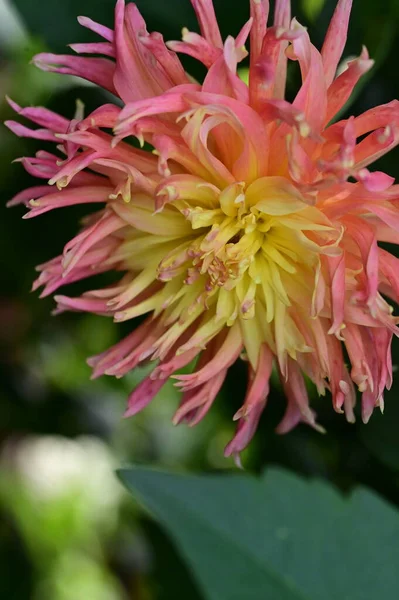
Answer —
(250, 231)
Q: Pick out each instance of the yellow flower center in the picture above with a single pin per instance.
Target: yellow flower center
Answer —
(244, 253)
(253, 236)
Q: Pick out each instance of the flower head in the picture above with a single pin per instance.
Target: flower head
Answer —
(250, 231)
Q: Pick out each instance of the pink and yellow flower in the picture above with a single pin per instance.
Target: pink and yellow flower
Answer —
(250, 231)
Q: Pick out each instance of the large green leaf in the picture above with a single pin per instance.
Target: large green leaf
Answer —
(277, 537)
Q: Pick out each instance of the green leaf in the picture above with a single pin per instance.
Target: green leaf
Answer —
(276, 537)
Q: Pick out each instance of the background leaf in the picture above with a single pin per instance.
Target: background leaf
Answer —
(275, 537)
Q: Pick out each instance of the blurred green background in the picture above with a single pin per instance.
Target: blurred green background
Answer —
(68, 530)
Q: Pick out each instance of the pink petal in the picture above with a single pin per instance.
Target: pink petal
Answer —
(135, 355)
(208, 22)
(241, 39)
(196, 46)
(312, 97)
(222, 77)
(143, 394)
(389, 267)
(382, 339)
(245, 431)
(42, 116)
(336, 266)
(255, 401)
(364, 237)
(196, 403)
(376, 145)
(138, 74)
(226, 355)
(259, 385)
(97, 70)
(282, 18)
(335, 40)
(68, 197)
(101, 30)
(94, 48)
(167, 367)
(37, 134)
(282, 13)
(298, 402)
(259, 14)
(375, 182)
(104, 116)
(29, 194)
(342, 87)
(120, 350)
(77, 248)
(174, 102)
(81, 304)
(265, 74)
(374, 118)
(168, 60)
